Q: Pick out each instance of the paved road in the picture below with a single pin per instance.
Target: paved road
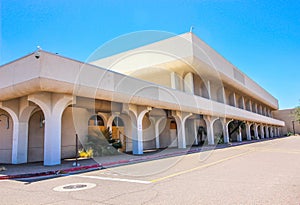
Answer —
(266, 172)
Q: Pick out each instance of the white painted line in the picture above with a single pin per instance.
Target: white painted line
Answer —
(116, 179)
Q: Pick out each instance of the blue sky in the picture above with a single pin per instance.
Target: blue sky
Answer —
(262, 38)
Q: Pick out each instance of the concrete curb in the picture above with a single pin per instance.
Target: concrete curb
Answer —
(49, 173)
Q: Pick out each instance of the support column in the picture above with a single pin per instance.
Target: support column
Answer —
(250, 104)
(156, 120)
(234, 100)
(239, 136)
(243, 102)
(262, 132)
(210, 128)
(52, 106)
(267, 131)
(271, 132)
(20, 111)
(180, 118)
(136, 114)
(256, 131)
(196, 132)
(225, 123)
(248, 131)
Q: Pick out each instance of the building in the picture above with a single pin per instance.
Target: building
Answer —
(291, 125)
(176, 92)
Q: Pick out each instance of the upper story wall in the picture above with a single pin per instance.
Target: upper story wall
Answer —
(53, 73)
(182, 54)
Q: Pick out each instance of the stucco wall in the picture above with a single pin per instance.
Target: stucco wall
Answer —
(6, 136)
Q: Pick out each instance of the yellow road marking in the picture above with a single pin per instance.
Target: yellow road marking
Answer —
(199, 167)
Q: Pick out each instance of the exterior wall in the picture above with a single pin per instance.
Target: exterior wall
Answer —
(155, 75)
(6, 137)
(287, 117)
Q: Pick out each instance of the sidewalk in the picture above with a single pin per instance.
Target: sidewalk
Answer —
(67, 166)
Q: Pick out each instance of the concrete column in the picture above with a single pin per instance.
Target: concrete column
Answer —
(210, 128)
(157, 120)
(20, 111)
(196, 132)
(52, 106)
(137, 114)
(248, 131)
(225, 123)
(271, 131)
(250, 104)
(256, 131)
(277, 132)
(181, 118)
(234, 100)
(239, 136)
(262, 132)
(267, 132)
(209, 89)
(224, 95)
(176, 81)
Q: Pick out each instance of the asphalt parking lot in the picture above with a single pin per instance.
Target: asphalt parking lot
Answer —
(266, 172)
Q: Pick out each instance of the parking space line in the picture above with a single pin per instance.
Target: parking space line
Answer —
(199, 167)
(116, 179)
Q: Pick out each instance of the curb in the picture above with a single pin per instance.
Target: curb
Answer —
(49, 173)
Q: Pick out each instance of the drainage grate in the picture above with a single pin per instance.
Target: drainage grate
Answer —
(74, 187)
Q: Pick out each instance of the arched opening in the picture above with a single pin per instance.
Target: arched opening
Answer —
(118, 132)
(96, 120)
(6, 137)
(68, 134)
(36, 129)
(259, 131)
(233, 130)
(148, 133)
(266, 131)
(243, 131)
(168, 131)
(192, 131)
(95, 125)
(201, 131)
(218, 132)
(252, 132)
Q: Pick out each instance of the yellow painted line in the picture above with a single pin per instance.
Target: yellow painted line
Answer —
(199, 167)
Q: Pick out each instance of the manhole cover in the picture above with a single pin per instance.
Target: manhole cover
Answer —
(74, 187)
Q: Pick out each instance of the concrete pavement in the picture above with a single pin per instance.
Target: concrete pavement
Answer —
(67, 166)
(265, 172)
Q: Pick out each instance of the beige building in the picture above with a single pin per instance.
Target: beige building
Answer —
(177, 92)
(291, 125)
